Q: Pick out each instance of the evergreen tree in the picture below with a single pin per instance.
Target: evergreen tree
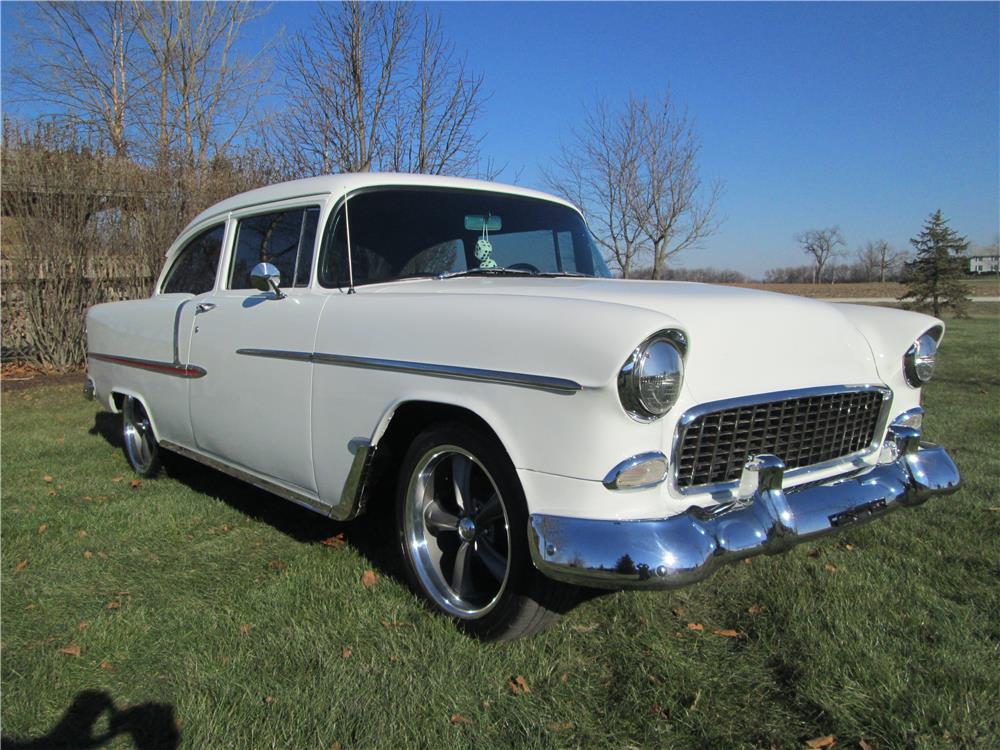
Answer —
(935, 277)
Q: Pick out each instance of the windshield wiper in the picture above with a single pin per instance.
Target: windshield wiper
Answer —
(499, 271)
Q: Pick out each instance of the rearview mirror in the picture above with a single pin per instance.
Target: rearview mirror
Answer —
(266, 278)
(476, 223)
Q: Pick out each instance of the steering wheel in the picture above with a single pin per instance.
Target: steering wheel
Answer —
(524, 267)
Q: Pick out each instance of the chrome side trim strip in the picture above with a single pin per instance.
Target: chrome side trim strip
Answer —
(166, 368)
(727, 488)
(499, 377)
(300, 498)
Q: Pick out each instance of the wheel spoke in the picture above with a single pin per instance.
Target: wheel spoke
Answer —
(438, 519)
(461, 574)
(461, 477)
(489, 513)
(493, 561)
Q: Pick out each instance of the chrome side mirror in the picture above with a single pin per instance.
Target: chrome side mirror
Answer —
(266, 278)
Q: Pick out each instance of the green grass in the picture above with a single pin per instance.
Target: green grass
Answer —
(899, 646)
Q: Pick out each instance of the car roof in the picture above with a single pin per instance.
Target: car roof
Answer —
(339, 183)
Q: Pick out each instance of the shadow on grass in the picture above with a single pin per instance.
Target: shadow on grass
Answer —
(151, 726)
(372, 535)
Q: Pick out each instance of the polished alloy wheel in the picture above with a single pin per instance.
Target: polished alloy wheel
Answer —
(457, 532)
(140, 443)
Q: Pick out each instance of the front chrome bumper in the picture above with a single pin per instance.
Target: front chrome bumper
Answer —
(683, 549)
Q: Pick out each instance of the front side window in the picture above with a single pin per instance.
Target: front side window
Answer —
(194, 269)
(284, 239)
(404, 232)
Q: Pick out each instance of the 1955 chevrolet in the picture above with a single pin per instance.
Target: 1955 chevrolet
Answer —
(456, 354)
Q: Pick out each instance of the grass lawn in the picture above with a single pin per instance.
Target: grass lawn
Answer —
(197, 609)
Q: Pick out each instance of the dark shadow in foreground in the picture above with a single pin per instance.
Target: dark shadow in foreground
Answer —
(372, 535)
(151, 726)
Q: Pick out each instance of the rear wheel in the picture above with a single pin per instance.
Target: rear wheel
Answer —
(462, 524)
(141, 448)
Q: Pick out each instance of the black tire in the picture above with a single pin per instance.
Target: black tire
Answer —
(142, 451)
(428, 505)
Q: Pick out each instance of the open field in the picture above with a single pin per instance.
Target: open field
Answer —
(196, 611)
(981, 287)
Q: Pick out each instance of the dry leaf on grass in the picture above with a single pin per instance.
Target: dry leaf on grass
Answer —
(755, 609)
(346, 652)
(135, 484)
(87, 554)
(864, 745)
(678, 611)
(830, 568)
(277, 564)
(336, 540)
(994, 510)
(82, 625)
(369, 578)
(849, 547)
(336, 746)
(113, 604)
(104, 665)
(118, 478)
(268, 699)
(459, 719)
(47, 478)
(564, 678)
(560, 726)
(696, 626)
(821, 743)
(43, 528)
(814, 552)
(20, 566)
(519, 686)
(72, 650)
(81, 533)
(245, 628)
(52, 493)
(659, 712)
(32, 606)
(728, 633)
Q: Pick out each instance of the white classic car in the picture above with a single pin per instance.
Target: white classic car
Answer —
(456, 354)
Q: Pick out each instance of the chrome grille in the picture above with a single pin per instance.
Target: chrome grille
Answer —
(803, 431)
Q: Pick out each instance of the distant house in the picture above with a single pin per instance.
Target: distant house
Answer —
(984, 264)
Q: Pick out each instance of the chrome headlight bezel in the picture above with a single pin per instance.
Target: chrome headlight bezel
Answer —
(920, 359)
(664, 350)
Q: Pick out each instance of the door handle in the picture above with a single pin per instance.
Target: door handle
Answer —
(205, 307)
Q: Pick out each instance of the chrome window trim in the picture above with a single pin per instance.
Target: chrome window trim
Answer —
(498, 377)
(727, 488)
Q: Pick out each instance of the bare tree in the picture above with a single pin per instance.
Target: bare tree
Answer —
(822, 246)
(373, 87)
(198, 92)
(634, 170)
(878, 259)
(78, 67)
(598, 170)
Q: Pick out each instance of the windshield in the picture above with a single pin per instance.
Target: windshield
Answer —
(398, 233)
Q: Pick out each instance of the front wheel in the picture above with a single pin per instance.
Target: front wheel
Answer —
(462, 524)
(141, 449)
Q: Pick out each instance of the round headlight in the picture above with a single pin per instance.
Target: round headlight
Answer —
(650, 381)
(919, 360)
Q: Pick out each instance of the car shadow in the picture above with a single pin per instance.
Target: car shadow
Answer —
(372, 535)
(150, 726)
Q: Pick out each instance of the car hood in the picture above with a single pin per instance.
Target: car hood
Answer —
(741, 341)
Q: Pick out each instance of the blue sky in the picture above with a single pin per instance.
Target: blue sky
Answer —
(865, 115)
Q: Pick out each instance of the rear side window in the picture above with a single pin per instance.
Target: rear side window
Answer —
(193, 272)
(284, 239)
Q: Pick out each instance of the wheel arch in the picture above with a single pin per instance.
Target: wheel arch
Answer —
(117, 401)
(397, 430)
